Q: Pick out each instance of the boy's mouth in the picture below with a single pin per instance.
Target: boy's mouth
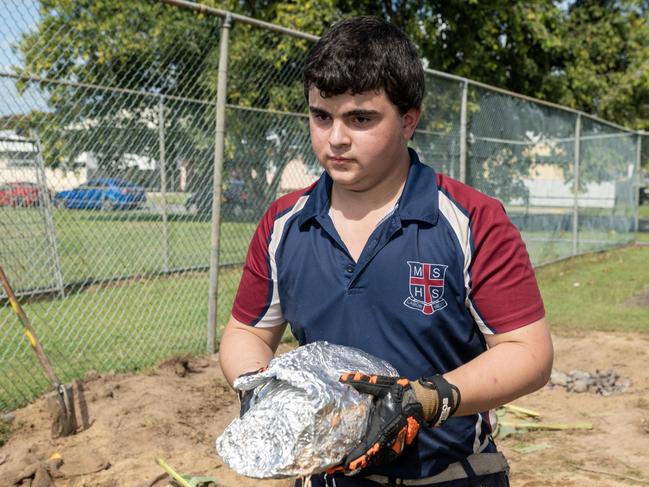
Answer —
(340, 160)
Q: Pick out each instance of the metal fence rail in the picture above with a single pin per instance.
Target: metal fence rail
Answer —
(131, 181)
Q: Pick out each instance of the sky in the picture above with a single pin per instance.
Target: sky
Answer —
(16, 17)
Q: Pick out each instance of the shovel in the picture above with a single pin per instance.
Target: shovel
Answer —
(61, 402)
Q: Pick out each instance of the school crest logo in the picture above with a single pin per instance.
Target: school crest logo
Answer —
(426, 284)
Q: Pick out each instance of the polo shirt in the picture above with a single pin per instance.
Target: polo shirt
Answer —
(445, 268)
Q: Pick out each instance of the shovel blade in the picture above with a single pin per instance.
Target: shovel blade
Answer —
(60, 404)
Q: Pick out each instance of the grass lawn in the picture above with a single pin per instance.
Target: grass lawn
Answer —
(598, 291)
(132, 324)
(98, 245)
(171, 198)
(117, 327)
(114, 326)
(643, 211)
(550, 246)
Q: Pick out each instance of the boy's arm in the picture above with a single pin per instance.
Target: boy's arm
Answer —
(517, 362)
(245, 348)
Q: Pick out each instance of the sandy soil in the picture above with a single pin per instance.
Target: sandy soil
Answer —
(177, 410)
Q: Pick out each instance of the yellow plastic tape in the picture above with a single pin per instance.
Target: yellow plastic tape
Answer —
(172, 473)
(31, 338)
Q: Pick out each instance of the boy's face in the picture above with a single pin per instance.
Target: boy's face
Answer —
(360, 140)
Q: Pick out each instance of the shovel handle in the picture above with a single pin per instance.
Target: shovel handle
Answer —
(29, 331)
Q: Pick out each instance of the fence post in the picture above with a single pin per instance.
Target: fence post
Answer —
(46, 208)
(575, 188)
(638, 182)
(463, 147)
(163, 185)
(219, 140)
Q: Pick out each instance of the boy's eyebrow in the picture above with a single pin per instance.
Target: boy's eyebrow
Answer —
(358, 112)
(318, 111)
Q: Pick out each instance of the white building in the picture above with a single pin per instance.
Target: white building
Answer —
(19, 163)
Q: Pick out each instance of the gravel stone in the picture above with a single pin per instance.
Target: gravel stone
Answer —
(580, 381)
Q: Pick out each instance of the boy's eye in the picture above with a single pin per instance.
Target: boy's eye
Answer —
(361, 120)
(320, 116)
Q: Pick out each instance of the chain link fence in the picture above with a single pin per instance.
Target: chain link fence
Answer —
(110, 148)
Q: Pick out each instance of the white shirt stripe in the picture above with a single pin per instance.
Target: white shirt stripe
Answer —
(459, 222)
(478, 431)
(273, 315)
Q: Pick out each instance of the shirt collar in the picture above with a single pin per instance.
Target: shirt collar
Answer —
(319, 200)
(418, 200)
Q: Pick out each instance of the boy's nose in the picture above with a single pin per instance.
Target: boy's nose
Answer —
(338, 135)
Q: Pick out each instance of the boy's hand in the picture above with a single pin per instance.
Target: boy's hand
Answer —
(394, 420)
(245, 397)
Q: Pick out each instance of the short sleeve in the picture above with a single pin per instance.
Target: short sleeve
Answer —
(503, 293)
(257, 299)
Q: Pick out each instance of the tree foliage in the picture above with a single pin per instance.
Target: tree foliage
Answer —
(604, 63)
(589, 55)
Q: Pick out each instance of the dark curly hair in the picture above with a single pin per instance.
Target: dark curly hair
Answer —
(363, 54)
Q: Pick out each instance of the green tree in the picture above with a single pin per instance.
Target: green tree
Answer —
(586, 54)
(507, 44)
(592, 56)
(589, 55)
(126, 46)
(265, 71)
(603, 67)
(156, 49)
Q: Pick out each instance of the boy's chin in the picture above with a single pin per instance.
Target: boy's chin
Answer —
(348, 183)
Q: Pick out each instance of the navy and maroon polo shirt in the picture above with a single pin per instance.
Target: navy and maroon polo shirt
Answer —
(444, 268)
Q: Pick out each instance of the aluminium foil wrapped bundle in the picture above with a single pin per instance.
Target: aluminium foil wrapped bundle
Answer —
(302, 419)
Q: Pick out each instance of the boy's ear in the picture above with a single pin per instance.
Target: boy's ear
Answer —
(410, 121)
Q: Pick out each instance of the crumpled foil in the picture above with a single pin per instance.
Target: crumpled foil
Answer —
(302, 419)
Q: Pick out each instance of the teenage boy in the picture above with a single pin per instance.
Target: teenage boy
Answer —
(385, 255)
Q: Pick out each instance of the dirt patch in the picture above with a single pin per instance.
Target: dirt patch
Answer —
(176, 411)
(641, 301)
(617, 445)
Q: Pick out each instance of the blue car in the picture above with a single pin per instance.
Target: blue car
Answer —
(102, 194)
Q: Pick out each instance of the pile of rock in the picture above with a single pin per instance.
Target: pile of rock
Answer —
(603, 383)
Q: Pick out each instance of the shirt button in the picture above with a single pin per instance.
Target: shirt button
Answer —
(350, 268)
